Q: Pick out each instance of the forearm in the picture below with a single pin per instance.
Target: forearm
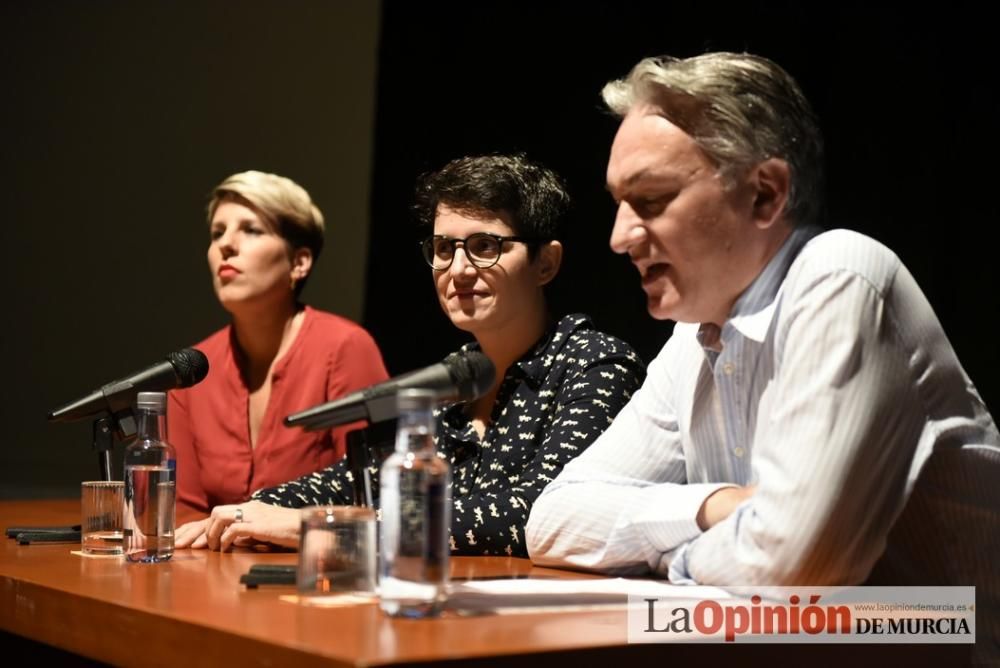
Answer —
(614, 525)
(828, 455)
(329, 486)
(720, 504)
(622, 503)
(490, 524)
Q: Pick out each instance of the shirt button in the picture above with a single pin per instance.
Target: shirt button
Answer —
(738, 452)
(728, 368)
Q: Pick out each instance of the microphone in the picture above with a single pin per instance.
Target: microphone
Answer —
(461, 376)
(183, 368)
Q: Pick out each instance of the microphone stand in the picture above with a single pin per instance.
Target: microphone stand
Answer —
(357, 462)
(368, 447)
(108, 429)
(104, 443)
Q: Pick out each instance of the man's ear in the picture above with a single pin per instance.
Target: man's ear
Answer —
(772, 183)
(302, 261)
(548, 261)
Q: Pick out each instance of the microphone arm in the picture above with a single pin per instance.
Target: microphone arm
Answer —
(461, 376)
(110, 406)
(115, 423)
(374, 409)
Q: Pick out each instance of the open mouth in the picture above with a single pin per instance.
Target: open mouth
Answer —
(654, 272)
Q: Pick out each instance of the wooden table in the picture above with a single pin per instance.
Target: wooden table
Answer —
(192, 611)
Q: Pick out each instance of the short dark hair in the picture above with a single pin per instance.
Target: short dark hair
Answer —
(532, 195)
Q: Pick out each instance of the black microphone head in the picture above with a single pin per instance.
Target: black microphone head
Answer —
(183, 368)
(472, 372)
(191, 366)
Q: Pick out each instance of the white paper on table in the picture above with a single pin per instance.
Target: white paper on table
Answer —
(537, 593)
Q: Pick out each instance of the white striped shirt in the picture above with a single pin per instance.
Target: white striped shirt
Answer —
(837, 393)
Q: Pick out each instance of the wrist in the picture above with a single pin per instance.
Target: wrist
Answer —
(720, 504)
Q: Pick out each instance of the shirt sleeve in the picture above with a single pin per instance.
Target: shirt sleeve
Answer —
(492, 521)
(835, 425)
(191, 495)
(329, 486)
(624, 502)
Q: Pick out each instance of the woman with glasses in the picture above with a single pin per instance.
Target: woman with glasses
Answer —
(492, 249)
(277, 355)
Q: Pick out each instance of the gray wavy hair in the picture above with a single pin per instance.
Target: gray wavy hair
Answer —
(740, 109)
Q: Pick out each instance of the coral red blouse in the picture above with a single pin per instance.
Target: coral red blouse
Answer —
(208, 423)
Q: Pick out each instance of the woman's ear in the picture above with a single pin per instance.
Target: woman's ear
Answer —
(302, 261)
(548, 261)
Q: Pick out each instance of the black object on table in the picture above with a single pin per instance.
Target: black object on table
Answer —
(26, 535)
(264, 574)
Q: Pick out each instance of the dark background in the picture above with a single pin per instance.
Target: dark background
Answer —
(119, 118)
(906, 100)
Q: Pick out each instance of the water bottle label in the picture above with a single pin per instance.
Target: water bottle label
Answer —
(438, 523)
(413, 513)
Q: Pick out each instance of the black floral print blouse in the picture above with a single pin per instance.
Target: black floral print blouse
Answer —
(552, 404)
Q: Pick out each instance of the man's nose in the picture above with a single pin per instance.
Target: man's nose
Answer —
(628, 230)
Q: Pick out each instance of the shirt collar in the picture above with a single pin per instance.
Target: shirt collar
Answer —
(535, 363)
(752, 313)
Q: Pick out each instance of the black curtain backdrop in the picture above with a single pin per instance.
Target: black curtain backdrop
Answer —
(118, 117)
(906, 100)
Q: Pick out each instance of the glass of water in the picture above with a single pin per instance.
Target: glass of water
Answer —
(101, 522)
(336, 552)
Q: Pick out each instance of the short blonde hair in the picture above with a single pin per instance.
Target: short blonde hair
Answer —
(284, 203)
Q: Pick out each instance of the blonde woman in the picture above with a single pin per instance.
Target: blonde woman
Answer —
(275, 357)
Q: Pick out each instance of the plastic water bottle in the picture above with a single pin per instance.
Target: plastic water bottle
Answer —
(150, 484)
(415, 499)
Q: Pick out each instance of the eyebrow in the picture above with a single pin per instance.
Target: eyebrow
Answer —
(643, 175)
(239, 221)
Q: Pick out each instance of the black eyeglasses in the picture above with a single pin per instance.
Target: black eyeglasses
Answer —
(482, 248)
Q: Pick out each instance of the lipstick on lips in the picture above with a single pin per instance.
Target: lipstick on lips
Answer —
(228, 271)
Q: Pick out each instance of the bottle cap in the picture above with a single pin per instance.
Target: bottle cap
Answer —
(415, 400)
(156, 401)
